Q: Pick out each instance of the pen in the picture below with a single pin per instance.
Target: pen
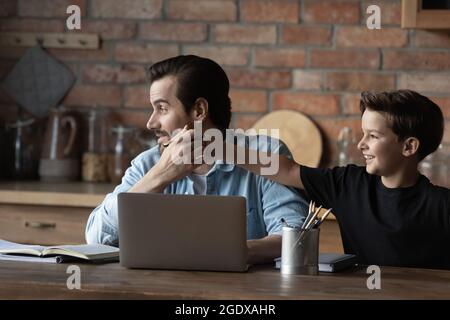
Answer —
(285, 224)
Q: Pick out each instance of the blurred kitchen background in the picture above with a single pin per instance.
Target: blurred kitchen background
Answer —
(85, 109)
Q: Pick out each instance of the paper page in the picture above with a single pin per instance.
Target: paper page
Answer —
(7, 246)
(13, 257)
(89, 250)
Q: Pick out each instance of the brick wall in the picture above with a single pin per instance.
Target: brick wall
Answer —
(314, 56)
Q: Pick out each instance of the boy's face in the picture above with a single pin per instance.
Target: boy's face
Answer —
(379, 145)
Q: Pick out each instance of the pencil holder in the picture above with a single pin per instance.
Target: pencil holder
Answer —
(300, 251)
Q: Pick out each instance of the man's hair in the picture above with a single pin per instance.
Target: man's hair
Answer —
(198, 77)
(409, 114)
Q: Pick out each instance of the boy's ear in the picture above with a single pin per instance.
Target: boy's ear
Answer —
(200, 110)
(410, 146)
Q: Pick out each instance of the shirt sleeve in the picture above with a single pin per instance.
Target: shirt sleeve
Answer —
(102, 226)
(323, 185)
(280, 201)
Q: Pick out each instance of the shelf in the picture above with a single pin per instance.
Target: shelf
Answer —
(71, 194)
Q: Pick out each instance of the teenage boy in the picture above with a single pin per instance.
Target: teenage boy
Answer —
(388, 213)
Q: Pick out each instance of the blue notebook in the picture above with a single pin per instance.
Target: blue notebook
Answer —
(330, 262)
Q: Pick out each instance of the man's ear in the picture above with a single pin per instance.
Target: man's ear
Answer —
(410, 146)
(200, 110)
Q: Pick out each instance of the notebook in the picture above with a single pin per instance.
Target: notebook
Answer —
(330, 262)
(58, 254)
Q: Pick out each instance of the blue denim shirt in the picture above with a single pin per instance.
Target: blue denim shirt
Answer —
(267, 201)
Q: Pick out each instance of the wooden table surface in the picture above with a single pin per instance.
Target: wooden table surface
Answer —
(24, 280)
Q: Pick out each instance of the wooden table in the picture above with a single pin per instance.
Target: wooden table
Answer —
(23, 280)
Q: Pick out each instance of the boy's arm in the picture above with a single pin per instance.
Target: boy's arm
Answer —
(264, 250)
(288, 172)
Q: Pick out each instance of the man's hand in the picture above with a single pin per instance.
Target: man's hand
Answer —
(177, 161)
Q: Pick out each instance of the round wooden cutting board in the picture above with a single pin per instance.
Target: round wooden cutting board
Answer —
(298, 132)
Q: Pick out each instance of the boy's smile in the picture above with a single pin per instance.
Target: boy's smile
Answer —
(379, 145)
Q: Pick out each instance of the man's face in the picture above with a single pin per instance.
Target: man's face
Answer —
(168, 112)
(380, 145)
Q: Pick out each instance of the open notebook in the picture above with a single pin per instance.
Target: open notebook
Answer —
(90, 252)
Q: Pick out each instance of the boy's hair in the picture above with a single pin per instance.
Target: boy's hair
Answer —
(198, 77)
(410, 114)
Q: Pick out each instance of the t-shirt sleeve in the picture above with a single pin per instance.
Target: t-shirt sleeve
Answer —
(323, 185)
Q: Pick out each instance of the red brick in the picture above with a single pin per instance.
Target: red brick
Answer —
(308, 35)
(101, 54)
(5, 99)
(444, 104)
(391, 11)
(12, 52)
(248, 100)
(32, 25)
(270, 11)
(363, 37)
(280, 57)
(5, 68)
(350, 104)
(266, 79)
(431, 39)
(234, 33)
(8, 8)
(9, 112)
(307, 80)
(341, 59)
(425, 82)
(331, 11)
(359, 81)
(109, 30)
(416, 60)
(90, 96)
(330, 127)
(231, 56)
(130, 118)
(145, 53)
(104, 73)
(48, 8)
(206, 10)
(244, 121)
(308, 103)
(165, 31)
(137, 97)
(446, 138)
(131, 9)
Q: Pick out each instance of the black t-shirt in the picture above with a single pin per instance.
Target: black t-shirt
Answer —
(407, 227)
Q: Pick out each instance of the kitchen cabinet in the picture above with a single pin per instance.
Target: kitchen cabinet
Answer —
(56, 213)
(426, 14)
(47, 213)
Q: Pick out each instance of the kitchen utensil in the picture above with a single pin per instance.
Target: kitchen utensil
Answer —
(38, 81)
(298, 132)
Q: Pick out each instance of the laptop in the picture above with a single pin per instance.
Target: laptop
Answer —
(182, 232)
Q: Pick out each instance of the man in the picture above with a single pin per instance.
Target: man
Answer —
(185, 90)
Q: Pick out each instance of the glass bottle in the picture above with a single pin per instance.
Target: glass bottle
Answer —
(23, 159)
(124, 148)
(436, 167)
(95, 157)
(347, 149)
